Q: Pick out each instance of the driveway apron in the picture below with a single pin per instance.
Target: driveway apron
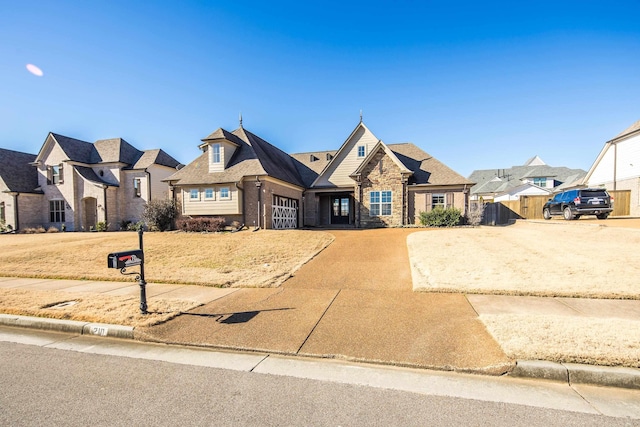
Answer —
(353, 301)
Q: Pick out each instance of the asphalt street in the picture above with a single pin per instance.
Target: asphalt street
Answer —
(66, 379)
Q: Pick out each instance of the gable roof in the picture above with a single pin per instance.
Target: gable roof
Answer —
(381, 146)
(631, 129)
(113, 150)
(502, 180)
(16, 171)
(254, 156)
(157, 157)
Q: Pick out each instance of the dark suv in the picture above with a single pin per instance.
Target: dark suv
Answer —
(575, 203)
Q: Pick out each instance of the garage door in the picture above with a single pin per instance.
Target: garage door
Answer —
(285, 213)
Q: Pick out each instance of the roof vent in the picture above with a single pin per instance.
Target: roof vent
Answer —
(313, 158)
(329, 156)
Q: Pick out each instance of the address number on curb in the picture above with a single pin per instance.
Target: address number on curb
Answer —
(99, 330)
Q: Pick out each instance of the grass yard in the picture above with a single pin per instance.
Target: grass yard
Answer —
(245, 259)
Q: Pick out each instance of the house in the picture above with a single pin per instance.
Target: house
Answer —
(18, 183)
(74, 184)
(617, 167)
(365, 183)
(534, 177)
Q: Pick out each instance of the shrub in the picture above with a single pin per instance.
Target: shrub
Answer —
(102, 226)
(135, 226)
(3, 226)
(474, 214)
(440, 217)
(52, 230)
(32, 230)
(125, 224)
(202, 224)
(160, 213)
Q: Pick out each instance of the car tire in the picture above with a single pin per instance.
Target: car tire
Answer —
(603, 216)
(568, 215)
(546, 214)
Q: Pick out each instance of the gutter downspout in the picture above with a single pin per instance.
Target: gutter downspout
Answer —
(148, 184)
(104, 196)
(615, 166)
(259, 186)
(15, 211)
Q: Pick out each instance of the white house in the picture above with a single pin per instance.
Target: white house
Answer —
(617, 167)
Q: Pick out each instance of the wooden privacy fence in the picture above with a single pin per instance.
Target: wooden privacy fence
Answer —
(530, 207)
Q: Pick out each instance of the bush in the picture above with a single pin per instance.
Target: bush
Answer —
(52, 230)
(159, 214)
(102, 226)
(32, 230)
(440, 217)
(474, 214)
(203, 224)
(135, 226)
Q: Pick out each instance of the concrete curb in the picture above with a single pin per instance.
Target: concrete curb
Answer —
(574, 373)
(70, 326)
(570, 373)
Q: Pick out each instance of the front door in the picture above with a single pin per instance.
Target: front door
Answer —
(340, 210)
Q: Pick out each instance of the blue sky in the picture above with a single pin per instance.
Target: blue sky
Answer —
(478, 85)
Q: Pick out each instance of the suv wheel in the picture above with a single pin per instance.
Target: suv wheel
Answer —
(568, 215)
(603, 216)
(546, 214)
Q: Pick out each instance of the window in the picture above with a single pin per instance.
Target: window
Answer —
(380, 203)
(136, 187)
(56, 211)
(224, 193)
(438, 201)
(361, 150)
(540, 182)
(215, 158)
(194, 194)
(54, 174)
(209, 193)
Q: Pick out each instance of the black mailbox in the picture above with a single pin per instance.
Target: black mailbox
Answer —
(125, 259)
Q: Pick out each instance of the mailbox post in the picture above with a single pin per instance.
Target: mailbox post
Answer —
(132, 258)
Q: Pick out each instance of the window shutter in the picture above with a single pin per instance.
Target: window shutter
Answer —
(61, 175)
(449, 200)
(49, 174)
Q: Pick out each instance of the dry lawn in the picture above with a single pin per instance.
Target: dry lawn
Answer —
(548, 259)
(614, 342)
(246, 259)
(552, 259)
(92, 307)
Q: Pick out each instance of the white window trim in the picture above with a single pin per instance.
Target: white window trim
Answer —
(137, 189)
(228, 197)
(194, 199)
(364, 151)
(381, 203)
(216, 157)
(213, 193)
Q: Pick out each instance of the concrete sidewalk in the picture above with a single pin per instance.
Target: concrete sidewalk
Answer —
(299, 322)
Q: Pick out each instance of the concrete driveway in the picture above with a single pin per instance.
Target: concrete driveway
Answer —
(354, 301)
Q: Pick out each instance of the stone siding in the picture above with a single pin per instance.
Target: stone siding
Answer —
(381, 174)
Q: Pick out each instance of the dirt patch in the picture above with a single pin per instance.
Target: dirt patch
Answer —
(543, 259)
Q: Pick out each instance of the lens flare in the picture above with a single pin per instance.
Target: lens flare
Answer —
(34, 70)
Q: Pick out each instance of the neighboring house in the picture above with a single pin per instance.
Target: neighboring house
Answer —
(18, 183)
(365, 183)
(526, 189)
(535, 177)
(617, 167)
(78, 184)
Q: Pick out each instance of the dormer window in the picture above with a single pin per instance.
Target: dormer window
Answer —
(215, 158)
